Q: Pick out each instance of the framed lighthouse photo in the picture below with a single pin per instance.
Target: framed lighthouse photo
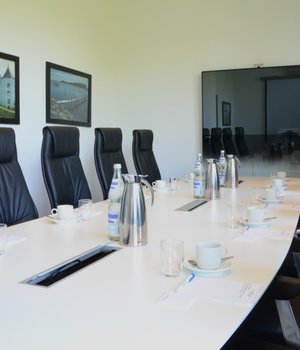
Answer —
(9, 89)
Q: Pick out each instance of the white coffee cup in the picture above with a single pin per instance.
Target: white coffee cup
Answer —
(271, 194)
(64, 211)
(278, 183)
(255, 215)
(209, 255)
(159, 184)
(281, 175)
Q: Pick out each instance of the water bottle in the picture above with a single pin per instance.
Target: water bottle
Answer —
(222, 169)
(199, 182)
(115, 196)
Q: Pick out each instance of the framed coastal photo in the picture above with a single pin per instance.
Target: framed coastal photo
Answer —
(9, 89)
(68, 96)
(226, 114)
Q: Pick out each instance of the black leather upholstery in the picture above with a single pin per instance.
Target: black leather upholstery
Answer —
(143, 156)
(274, 321)
(207, 152)
(228, 142)
(64, 177)
(216, 142)
(240, 141)
(107, 152)
(16, 204)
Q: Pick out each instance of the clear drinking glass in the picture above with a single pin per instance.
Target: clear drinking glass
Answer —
(85, 208)
(3, 238)
(257, 196)
(171, 257)
(234, 213)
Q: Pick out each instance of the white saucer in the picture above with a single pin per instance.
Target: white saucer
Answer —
(278, 200)
(224, 266)
(245, 222)
(54, 218)
(165, 189)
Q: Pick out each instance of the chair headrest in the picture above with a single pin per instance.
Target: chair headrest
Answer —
(111, 139)
(7, 144)
(216, 131)
(146, 139)
(227, 132)
(65, 140)
(239, 130)
(205, 132)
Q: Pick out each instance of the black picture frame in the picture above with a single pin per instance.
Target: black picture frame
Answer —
(68, 96)
(226, 113)
(9, 89)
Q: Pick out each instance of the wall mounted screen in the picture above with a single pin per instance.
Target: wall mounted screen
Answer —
(264, 112)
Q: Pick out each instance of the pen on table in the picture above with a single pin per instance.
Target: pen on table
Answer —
(271, 218)
(186, 282)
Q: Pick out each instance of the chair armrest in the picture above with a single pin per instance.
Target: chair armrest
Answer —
(284, 288)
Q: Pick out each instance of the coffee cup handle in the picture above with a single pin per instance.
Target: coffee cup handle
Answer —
(225, 252)
(53, 211)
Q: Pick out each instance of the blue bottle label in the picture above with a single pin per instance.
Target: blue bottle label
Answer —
(113, 224)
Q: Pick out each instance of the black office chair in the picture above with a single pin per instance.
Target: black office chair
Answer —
(240, 142)
(216, 142)
(107, 152)
(143, 156)
(273, 323)
(207, 152)
(63, 174)
(228, 142)
(16, 204)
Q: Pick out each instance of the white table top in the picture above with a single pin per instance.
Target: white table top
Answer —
(112, 303)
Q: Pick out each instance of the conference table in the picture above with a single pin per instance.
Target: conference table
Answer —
(122, 301)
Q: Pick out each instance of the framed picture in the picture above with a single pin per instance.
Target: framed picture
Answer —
(9, 89)
(226, 114)
(68, 96)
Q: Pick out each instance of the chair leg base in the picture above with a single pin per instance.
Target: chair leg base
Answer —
(288, 323)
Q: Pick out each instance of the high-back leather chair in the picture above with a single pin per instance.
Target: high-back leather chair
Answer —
(228, 142)
(216, 141)
(207, 152)
(63, 174)
(143, 156)
(16, 204)
(240, 141)
(107, 152)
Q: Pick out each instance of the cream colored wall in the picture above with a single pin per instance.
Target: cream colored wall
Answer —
(146, 59)
(163, 46)
(69, 33)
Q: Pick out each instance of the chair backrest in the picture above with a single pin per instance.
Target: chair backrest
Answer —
(228, 142)
(63, 174)
(107, 152)
(16, 204)
(216, 141)
(240, 141)
(207, 151)
(143, 156)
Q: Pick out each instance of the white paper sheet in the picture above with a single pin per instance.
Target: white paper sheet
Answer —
(217, 289)
(11, 240)
(253, 233)
(293, 207)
